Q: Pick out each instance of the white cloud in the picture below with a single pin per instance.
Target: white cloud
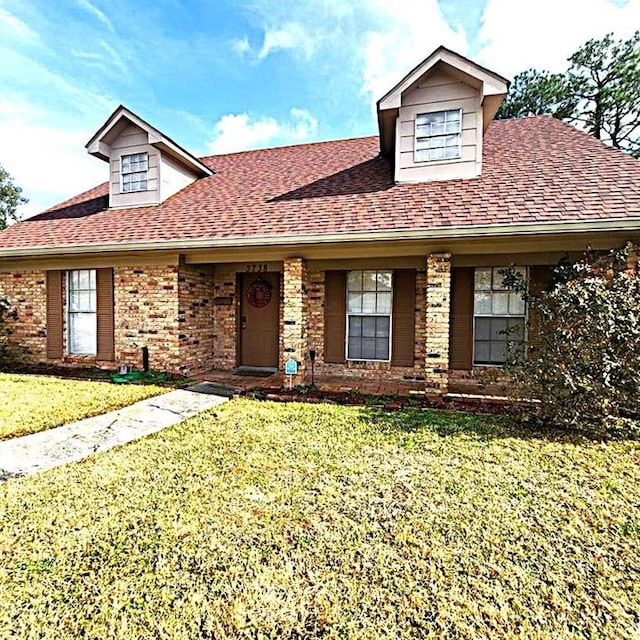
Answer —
(407, 33)
(12, 27)
(241, 45)
(97, 13)
(50, 163)
(520, 35)
(292, 36)
(239, 131)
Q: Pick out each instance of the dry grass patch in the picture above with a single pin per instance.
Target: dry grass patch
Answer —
(31, 403)
(306, 521)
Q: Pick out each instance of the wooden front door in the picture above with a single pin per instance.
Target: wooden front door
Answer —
(259, 319)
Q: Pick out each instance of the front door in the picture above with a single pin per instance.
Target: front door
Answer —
(259, 319)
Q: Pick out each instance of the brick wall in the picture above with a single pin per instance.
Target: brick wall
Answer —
(26, 335)
(225, 319)
(146, 314)
(196, 292)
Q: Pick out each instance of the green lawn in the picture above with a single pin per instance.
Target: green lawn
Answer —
(305, 521)
(31, 403)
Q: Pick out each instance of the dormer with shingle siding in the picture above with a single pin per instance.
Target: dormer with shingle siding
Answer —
(432, 122)
(146, 167)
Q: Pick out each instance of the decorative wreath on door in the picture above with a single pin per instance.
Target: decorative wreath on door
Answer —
(259, 293)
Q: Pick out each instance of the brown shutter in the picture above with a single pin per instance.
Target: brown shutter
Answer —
(404, 317)
(335, 297)
(539, 278)
(104, 315)
(461, 329)
(54, 314)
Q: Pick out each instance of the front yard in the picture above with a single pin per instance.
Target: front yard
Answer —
(31, 403)
(305, 521)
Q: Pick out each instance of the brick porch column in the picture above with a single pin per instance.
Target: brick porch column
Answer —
(437, 321)
(294, 333)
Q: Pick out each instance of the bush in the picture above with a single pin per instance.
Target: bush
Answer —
(583, 361)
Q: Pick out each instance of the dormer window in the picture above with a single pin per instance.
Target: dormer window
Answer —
(438, 135)
(133, 169)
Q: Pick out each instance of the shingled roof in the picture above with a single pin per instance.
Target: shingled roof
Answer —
(536, 170)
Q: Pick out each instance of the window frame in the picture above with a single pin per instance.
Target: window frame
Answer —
(131, 173)
(524, 316)
(349, 314)
(69, 312)
(444, 134)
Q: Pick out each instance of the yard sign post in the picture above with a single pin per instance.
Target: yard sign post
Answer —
(291, 369)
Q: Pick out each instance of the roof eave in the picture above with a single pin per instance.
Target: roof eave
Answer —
(427, 234)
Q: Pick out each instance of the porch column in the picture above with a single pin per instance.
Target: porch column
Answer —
(294, 331)
(437, 321)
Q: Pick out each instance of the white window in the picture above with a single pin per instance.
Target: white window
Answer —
(437, 135)
(81, 312)
(133, 168)
(369, 315)
(499, 316)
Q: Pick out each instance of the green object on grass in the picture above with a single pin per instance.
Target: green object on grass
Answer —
(123, 378)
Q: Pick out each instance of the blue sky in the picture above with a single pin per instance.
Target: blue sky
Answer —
(223, 75)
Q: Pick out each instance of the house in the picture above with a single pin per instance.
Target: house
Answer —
(381, 254)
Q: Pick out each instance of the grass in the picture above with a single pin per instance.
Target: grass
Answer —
(31, 403)
(305, 521)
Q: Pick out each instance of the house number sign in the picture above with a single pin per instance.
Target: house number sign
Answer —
(259, 294)
(256, 268)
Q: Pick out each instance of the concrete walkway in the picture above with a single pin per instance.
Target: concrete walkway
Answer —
(78, 440)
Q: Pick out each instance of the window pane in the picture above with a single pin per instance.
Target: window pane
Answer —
(355, 303)
(368, 303)
(498, 278)
(368, 349)
(481, 352)
(516, 304)
(82, 333)
(499, 329)
(355, 326)
(384, 280)
(483, 279)
(369, 327)
(384, 303)
(369, 280)
(382, 348)
(500, 304)
(451, 152)
(482, 302)
(516, 329)
(354, 281)
(382, 328)
(354, 350)
(483, 329)
(498, 352)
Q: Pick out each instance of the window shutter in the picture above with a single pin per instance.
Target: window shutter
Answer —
(54, 315)
(461, 328)
(404, 317)
(104, 314)
(335, 296)
(539, 278)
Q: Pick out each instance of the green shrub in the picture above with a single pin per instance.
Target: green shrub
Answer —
(584, 364)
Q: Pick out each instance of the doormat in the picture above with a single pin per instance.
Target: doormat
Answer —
(254, 373)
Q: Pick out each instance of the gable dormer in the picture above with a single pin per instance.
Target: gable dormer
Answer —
(145, 166)
(433, 121)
